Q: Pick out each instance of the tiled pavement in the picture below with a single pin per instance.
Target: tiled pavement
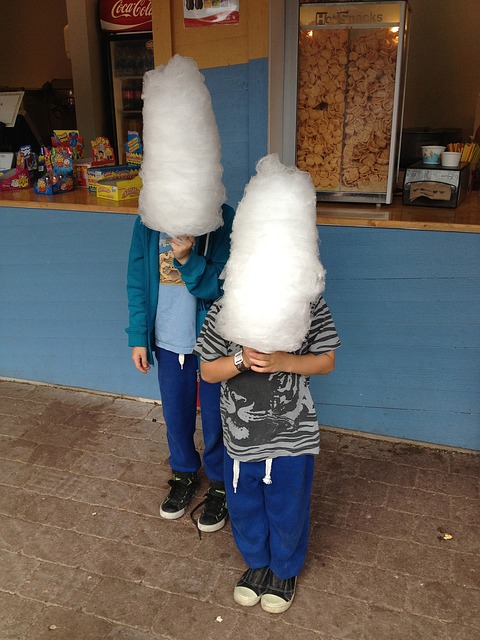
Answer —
(394, 548)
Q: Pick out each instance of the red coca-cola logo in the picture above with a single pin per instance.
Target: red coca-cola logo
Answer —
(125, 15)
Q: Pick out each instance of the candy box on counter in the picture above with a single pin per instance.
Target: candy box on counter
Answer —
(80, 172)
(118, 172)
(60, 178)
(14, 179)
(134, 148)
(54, 182)
(119, 190)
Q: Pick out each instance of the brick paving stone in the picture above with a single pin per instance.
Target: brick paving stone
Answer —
(135, 449)
(13, 501)
(388, 472)
(414, 559)
(333, 615)
(213, 620)
(16, 534)
(61, 623)
(55, 584)
(466, 570)
(14, 473)
(46, 455)
(58, 512)
(15, 569)
(133, 427)
(53, 544)
(330, 461)
(356, 489)
(98, 465)
(365, 447)
(97, 441)
(22, 407)
(440, 599)
(17, 616)
(329, 511)
(15, 426)
(383, 522)
(417, 501)
(450, 484)
(125, 602)
(100, 491)
(384, 624)
(335, 542)
(16, 449)
(465, 464)
(55, 482)
(146, 474)
(464, 510)
(354, 580)
(129, 408)
(85, 555)
(423, 457)
(437, 532)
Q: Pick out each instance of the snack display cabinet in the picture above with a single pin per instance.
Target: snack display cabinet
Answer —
(349, 97)
(128, 45)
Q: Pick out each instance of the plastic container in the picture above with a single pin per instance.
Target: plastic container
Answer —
(431, 154)
(451, 158)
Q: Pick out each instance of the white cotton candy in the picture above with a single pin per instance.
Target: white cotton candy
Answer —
(182, 190)
(274, 270)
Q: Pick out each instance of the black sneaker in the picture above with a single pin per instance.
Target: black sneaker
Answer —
(251, 586)
(278, 594)
(215, 511)
(183, 487)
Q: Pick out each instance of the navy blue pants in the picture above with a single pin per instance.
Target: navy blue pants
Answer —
(271, 522)
(178, 391)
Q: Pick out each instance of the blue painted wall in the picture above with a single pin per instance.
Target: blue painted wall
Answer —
(239, 98)
(407, 308)
(406, 305)
(63, 307)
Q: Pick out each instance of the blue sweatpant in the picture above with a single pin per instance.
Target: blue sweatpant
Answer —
(178, 391)
(271, 522)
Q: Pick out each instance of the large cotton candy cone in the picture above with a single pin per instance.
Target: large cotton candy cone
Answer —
(274, 270)
(182, 190)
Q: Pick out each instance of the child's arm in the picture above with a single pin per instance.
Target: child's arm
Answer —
(308, 364)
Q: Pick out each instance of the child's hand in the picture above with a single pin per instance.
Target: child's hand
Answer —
(139, 357)
(266, 362)
(181, 248)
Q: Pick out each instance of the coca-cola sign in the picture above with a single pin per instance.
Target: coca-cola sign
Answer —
(125, 15)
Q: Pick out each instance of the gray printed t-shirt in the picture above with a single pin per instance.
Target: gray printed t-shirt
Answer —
(269, 415)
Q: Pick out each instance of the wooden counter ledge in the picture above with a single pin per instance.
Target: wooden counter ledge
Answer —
(76, 200)
(465, 218)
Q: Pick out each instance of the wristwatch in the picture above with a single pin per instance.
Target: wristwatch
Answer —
(238, 361)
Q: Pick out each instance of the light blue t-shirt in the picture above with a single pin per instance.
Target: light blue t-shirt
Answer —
(175, 322)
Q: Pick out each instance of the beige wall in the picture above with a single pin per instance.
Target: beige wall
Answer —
(217, 46)
(443, 78)
(443, 72)
(31, 40)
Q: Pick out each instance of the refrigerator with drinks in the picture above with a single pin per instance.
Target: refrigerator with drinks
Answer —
(128, 46)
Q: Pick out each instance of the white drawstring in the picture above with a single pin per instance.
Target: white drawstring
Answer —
(236, 474)
(181, 359)
(268, 470)
(267, 479)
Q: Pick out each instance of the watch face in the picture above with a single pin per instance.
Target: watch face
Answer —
(238, 358)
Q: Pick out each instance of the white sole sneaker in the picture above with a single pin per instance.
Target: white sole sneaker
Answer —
(212, 527)
(245, 596)
(172, 516)
(274, 604)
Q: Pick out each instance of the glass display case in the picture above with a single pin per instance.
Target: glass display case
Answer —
(350, 80)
